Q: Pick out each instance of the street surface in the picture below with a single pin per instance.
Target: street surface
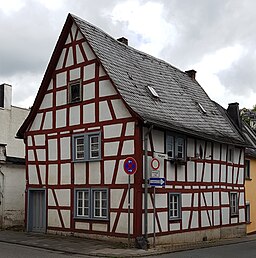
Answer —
(240, 250)
(19, 251)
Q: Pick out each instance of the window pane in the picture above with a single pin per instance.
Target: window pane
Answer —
(169, 145)
(174, 206)
(94, 146)
(75, 92)
(79, 148)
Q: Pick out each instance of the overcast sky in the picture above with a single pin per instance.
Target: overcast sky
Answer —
(214, 37)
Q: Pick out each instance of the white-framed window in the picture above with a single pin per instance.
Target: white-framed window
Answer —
(75, 92)
(233, 204)
(247, 169)
(247, 212)
(174, 206)
(175, 147)
(91, 203)
(86, 147)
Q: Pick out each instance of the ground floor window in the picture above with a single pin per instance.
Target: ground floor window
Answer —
(247, 212)
(233, 204)
(174, 206)
(91, 203)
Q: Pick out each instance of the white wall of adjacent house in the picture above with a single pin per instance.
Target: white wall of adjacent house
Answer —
(12, 177)
(203, 183)
(12, 199)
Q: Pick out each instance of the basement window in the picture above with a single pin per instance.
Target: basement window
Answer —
(153, 92)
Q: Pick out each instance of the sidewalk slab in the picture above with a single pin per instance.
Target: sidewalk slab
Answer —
(101, 248)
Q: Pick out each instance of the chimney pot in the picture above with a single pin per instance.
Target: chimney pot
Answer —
(123, 40)
(5, 96)
(191, 74)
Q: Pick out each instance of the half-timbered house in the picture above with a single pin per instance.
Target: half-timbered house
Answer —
(102, 101)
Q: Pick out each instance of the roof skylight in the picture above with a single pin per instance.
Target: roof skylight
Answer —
(153, 92)
(201, 107)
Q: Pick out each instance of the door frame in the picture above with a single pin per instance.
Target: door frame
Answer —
(29, 209)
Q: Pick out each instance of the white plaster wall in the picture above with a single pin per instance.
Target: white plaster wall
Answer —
(89, 113)
(106, 88)
(175, 226)
(47, 101)
(122, 226)
(104, 112)
(61, 59)
(52, 149)
(48, 121)
(79, 173)
(89, 54)
(11, 121)
(66, 218)
(158, 140)
(39, 140)
(61, 116)
(109, 166)
(65, 174)
(94, 171)
(204, 219)
(225, 215)
(129, 131)
(194, 221)
(32, 173)
(89, 72)
(79, 56)
(41, 155)
(216, 172)
(99, 227)
(63, 196)
(128, 147)
(42, 169)
(111, 148)
(163, 218)
(89, 91)
(207, 173)
(216, 214)
(65, 152)
(112, 131)
(185, 219)
(37, 122)
(13, 189)
(186, 200)
(74, 115)
(53, 218)
(53, 174)
(115, 195)
(61, 79)
(70, 58)
(61, 98)
(82, 225)
(119, 108)
(74, 74)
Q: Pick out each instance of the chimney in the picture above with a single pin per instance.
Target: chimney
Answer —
(191, 74)
(5, 96)
(233, 112)
(123, 40)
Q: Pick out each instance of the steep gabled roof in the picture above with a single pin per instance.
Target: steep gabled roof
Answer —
(182, 105)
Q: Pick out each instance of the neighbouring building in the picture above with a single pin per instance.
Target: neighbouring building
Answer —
(12, 162)
(102, 101)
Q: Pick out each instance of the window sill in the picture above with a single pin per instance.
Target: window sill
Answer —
(248, 179)
(84, 161)
(174, 220)
(177, 161)
(247, 223)
(91, 219)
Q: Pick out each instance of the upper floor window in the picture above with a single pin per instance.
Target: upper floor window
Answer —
(175, 147)
(230, 154)
(86, 147)
(247, 169)
(75, 92)
(233, 204)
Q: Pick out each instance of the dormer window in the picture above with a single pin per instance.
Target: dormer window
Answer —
(75, 92)
(153, 92)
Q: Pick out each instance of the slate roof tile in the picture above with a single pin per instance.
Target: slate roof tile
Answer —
(177, 107)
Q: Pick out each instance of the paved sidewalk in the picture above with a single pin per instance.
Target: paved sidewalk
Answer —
(100, 248)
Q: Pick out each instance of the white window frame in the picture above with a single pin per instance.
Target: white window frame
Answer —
(234, 204)
(174, 206)
(89, 147)
(172, 145)
(102, 206)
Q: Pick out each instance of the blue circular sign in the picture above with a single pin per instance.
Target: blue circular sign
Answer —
(130, 166)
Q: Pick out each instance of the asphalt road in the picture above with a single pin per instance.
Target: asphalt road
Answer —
(19, 251)
(240, 250)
